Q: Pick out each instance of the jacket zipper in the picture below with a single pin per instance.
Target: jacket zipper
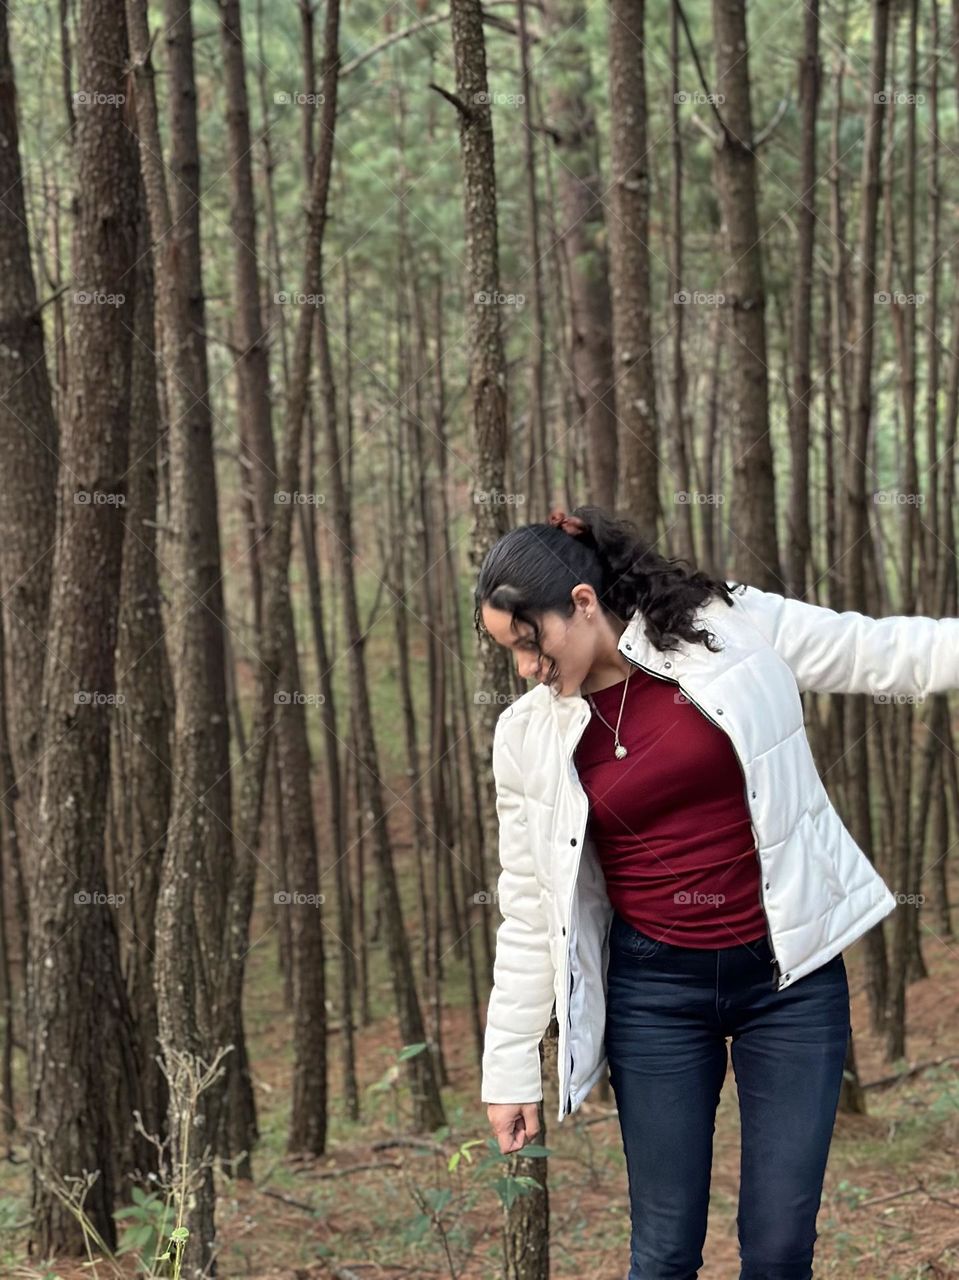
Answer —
(777, 970)
(762, 903)
(568, 1101)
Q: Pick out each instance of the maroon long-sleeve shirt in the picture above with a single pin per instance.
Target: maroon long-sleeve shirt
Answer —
(670, 819)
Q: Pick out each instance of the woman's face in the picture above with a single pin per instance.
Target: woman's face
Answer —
(570, 642)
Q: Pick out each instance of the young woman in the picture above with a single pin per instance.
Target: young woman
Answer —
(673, 872)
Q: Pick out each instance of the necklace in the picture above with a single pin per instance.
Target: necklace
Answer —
(620, 750)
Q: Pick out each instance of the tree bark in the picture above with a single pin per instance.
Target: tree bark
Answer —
(755, 549)
(197, 871)
(582, 228)
(629, 268)
(28, 458)
(141, 720)
(81, 1051)
(799, 541)
(855, 525)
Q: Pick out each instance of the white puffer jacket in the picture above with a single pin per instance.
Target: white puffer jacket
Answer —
(819, 890)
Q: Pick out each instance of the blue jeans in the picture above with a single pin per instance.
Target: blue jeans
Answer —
(669, 1010)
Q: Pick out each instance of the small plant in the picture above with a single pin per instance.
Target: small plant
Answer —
(178, 1238)
(148, 1220)
(511, 1186)
(851, 1195)
(392, 1081)
(150, 1214)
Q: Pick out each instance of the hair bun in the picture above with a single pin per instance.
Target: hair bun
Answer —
(572, 525)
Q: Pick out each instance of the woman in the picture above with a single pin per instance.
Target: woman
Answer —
(674, 874)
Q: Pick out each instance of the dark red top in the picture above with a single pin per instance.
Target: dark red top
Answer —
(670, 819)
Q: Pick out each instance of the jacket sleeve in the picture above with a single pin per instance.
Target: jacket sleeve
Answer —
(521, 1001)
(848, 652)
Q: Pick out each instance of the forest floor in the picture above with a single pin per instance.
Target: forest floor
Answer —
(890, 1208)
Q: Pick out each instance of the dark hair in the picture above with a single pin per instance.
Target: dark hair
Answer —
(532, 570)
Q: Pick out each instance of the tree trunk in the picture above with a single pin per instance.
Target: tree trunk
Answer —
(539, 477)
(629, 268)
(682, 514)
(855, 526)
(799, 541)
(197, 871)
(28, 453)
(755, 548)
(81, 1051)
(490, 448)
(572, 128)
(300, 894)
(141, 720)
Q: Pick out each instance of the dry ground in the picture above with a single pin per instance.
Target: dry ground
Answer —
(890, 1207)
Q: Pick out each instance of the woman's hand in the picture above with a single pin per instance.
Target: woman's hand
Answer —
(514, 1124)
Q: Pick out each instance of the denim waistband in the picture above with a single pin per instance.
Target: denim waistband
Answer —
(744, 956)
(622, 931)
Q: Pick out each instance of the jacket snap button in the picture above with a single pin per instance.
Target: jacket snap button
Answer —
(787, 975)
(573, 841)
(719, 711)
(564, 931)
(629, 647)
(667, 664)
(767, 884)
(753, 795)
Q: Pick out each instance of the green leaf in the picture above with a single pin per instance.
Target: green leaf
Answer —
(437, 1197)
(463, 1153)
(410, 1051)
(180, 1233)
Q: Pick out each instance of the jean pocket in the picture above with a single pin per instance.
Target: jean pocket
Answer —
(632, 942)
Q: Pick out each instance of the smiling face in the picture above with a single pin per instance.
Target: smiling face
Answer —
(569, 642)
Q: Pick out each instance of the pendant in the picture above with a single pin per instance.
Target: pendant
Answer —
(620, 751)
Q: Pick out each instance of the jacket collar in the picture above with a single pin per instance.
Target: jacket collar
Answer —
(569, 712)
